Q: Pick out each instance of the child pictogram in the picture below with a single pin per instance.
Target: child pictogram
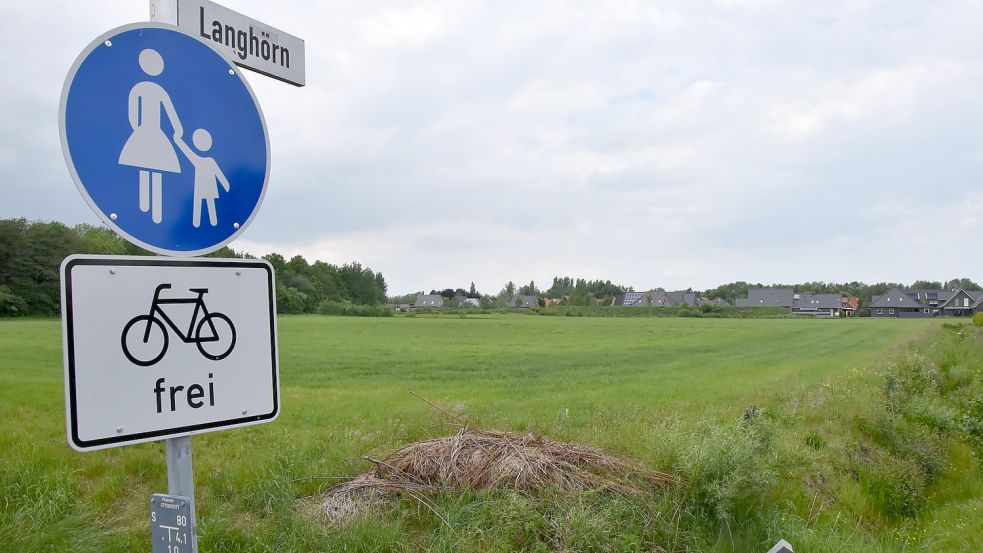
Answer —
(207, 173)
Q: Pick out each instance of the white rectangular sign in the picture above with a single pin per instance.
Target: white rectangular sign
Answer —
(249, 43)
(162, 347)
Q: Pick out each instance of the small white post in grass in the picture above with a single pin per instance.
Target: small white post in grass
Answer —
(781, 547)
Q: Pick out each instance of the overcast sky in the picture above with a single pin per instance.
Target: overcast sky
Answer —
(674, 144)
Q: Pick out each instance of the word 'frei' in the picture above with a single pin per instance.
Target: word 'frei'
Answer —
(194, 395)
(245, 44)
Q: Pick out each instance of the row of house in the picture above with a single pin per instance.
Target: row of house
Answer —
(893, 303)
(926, 303)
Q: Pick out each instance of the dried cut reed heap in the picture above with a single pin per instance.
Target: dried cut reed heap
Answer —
(477, 459)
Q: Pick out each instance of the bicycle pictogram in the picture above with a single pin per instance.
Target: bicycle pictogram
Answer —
(145, 338)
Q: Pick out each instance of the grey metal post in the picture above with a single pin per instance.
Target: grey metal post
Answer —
(163, 11)
(181, 478)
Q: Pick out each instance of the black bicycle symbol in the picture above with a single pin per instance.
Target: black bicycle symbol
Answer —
(215, 335)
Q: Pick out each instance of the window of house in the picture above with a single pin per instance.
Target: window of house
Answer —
(965, 302)
(925, 310)
(890, 312)
(879, 311)
(889, 299)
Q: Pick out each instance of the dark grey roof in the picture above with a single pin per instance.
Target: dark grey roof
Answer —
(656, 298)
(894, 298)
(652, 298)
(810, 302)
(524, 302)
(681, 297)
(941, 295)
(769, 297)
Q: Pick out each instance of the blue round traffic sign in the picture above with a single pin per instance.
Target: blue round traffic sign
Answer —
(164, 139)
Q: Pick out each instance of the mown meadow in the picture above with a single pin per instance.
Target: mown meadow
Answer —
(838, 435)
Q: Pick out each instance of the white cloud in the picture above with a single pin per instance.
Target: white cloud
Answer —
(890, 93)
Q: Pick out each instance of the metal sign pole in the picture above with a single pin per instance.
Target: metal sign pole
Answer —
(180, 474)
(181, 479)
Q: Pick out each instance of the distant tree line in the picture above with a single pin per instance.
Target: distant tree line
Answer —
(32, 251)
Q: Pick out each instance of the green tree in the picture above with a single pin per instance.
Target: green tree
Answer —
(507, 292)
(529, 290)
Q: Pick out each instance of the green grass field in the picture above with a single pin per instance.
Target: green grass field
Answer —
(659, 390)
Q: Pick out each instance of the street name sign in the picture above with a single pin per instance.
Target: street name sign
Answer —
(164, 139)
(163, 347)
(249, 43)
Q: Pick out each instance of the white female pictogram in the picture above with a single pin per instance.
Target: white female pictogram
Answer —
(148, 148)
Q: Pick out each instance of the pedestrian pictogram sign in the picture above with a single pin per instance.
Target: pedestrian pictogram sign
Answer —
(164, 139)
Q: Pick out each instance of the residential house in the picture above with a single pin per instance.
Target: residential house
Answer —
(768, 297)
(850, 305)
(821, 305)
(523, 302)
(464, 301)
(429, 300)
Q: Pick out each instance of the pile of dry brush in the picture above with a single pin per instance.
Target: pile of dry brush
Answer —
(476, 459)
